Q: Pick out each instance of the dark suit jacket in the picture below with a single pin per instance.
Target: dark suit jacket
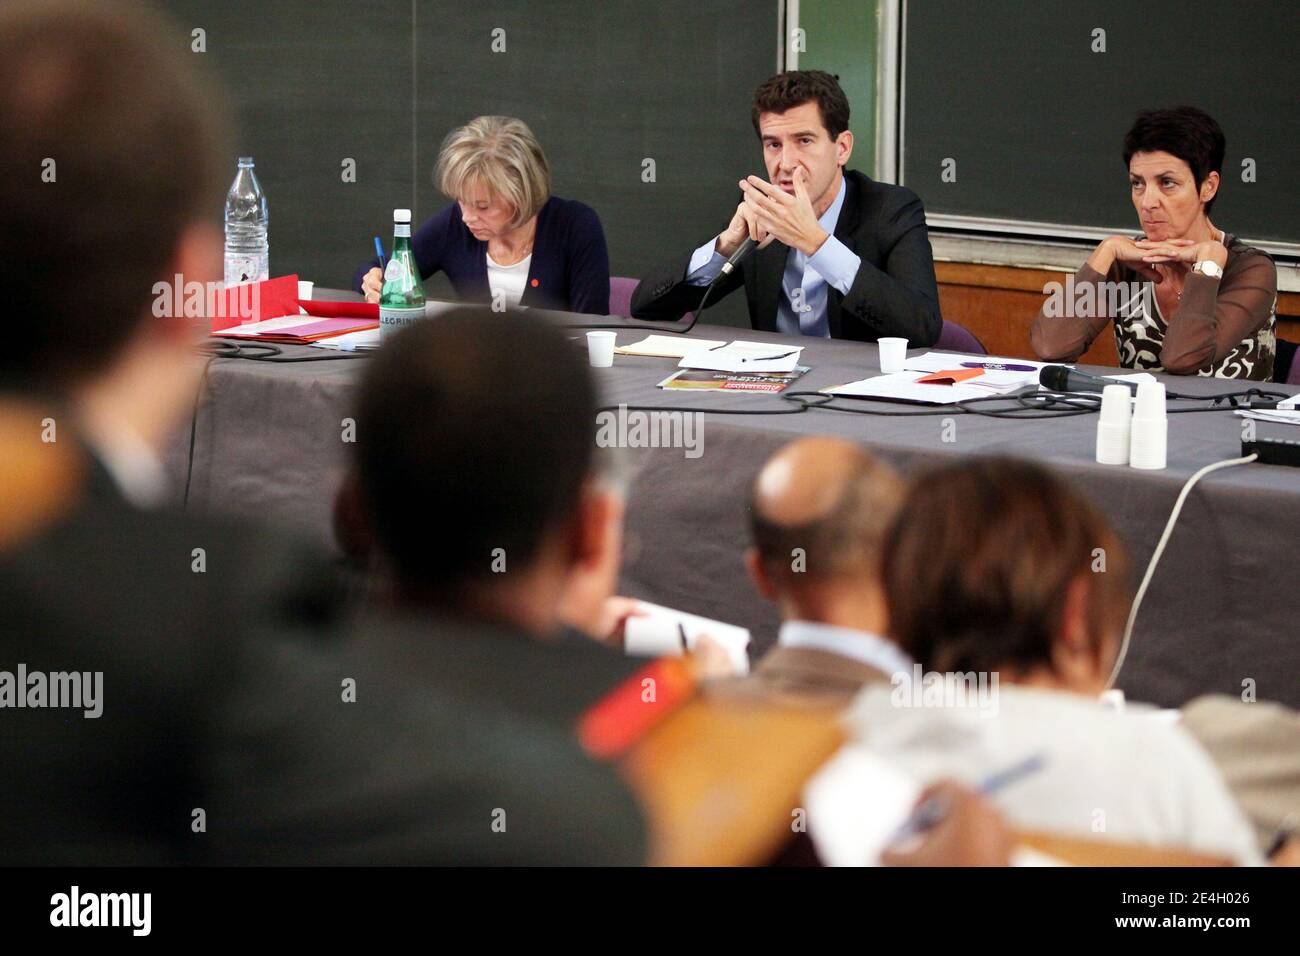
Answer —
(223, 691)
(894, 293)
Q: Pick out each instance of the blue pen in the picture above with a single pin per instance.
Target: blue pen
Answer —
(931, 813)
(379, 250)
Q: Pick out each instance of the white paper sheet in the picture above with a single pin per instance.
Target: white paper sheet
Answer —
(668, 346)
(655, 634)
(361, 341)
(740, 356)
(1281, 416)
(856, 803)
(903, 386)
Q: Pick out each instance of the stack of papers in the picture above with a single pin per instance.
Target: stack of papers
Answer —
(362, 341)
(745, 357)
(655, 633)
(1286, 413)
(297, 329)
(941, 378)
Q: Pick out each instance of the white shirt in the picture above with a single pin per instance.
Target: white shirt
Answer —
(862, 646)
(508, 282)
(1127, 776)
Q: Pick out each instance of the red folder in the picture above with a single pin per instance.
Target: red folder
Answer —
(256, 301)
(335, 310)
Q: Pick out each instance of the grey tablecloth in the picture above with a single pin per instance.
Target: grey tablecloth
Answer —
(1221, 614)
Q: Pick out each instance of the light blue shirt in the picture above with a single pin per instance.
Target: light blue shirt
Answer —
(863, 646)
(798, 313)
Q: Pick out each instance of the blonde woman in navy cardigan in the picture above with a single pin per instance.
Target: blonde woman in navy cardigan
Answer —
(506, 239)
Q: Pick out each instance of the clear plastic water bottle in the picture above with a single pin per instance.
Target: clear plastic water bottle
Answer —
(248, 257)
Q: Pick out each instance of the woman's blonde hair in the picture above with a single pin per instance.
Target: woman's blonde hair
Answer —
(502, 154)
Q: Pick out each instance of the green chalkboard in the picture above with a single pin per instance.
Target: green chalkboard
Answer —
(605, 85)
(1034, 118)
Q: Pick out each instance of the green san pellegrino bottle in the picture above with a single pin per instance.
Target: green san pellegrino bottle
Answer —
(402, 298)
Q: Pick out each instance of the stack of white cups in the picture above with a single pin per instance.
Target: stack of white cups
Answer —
(1149, 432)
(1113, 425)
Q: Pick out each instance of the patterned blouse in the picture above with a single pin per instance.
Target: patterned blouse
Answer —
(1221, 327)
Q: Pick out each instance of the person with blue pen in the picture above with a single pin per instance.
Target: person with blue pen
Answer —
(1010, 591)
(971, 832)
(505, 240)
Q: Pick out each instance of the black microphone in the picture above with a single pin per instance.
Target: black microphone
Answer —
(744, 249)
(1059, 378)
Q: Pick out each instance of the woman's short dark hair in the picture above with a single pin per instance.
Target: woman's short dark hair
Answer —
(980, 559)
(1186, 132)
(787, 90)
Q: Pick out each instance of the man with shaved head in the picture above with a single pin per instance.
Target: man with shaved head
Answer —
(818, 512)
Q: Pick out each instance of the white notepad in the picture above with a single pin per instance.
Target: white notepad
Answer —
(655, 634)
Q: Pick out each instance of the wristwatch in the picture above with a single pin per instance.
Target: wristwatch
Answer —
(1208, 267)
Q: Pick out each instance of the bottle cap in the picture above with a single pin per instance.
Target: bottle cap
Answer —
(245, 160)
(401, 215)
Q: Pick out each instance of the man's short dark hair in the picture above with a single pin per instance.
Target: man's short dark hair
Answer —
(787, 90)
(111, 149)
(475, 431)
(1186, 132)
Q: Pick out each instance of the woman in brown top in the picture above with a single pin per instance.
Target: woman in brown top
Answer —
(1186, 297)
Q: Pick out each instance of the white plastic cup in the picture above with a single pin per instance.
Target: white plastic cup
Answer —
(893, 355)
(305, 289)
(1113, 425)
(1149, 430)
(600, 349)
(1150, 400)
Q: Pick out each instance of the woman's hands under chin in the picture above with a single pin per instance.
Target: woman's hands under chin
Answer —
(1184, 251)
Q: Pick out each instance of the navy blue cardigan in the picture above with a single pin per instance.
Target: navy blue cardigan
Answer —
(569, 271)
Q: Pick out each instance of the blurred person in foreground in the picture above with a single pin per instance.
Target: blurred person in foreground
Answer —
(819, 510)
(189, 691)
(995, 589)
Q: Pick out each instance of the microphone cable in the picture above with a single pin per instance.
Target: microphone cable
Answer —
(1160, 550)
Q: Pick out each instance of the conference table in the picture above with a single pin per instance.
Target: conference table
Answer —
(271, 442)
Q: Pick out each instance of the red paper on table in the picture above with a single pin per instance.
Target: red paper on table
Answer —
(331, 310)
(255, 302)
(950, 376)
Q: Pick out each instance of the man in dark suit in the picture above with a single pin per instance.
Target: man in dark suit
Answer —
(179, 688)
(839, 255)
(819, 512)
